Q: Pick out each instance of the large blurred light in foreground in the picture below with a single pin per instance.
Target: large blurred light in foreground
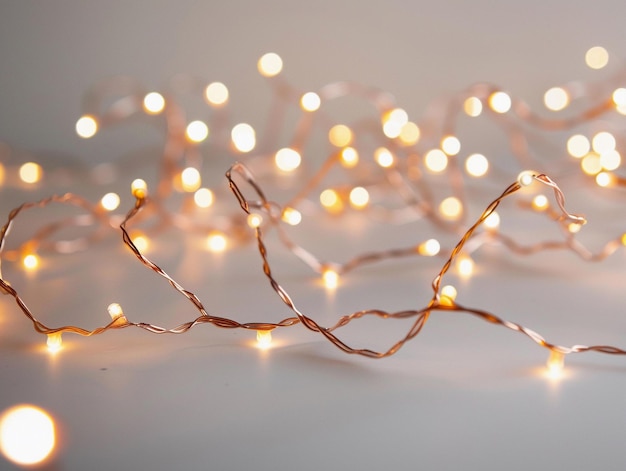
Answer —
(27, 435)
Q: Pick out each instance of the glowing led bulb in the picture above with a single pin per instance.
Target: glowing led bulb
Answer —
(110, 201)
(409, 134)
(429, 248)
(526, 178)
(190, 179)
(473, 106)
(54, 342)
(393, 122)
(330, 278)
(203, 198)
(30, 261)
(555, 364)
(270, 64)
(451, 145)
(216, 242)
(591, 164)
(86, 126)
(578, 146)
(349, 157)
(216, 94)
(500, 102)
(603, 142)
(384, 157)
(115, 311)
(243, 137)
(623, 239)
(604, 179)
(254, 220)
(556, 99)
(30, 172)
(451, 208)
(197, 131)
(448, 295)
(476, 165)
(492, 221)
(153, 103)
(574, 227)
(264, 339)
(330, 199)
(140, 240)
(2, 174)
(310, 101)
(610, 160)
(465, 266)
(619, 97)
(359, 197)
(292, 216)
(287, 159)
(540, 203)
(340, 135)
(597, 57)
(27, 435)
(139, 188)
(436, 160)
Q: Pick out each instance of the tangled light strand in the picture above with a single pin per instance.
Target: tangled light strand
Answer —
(398, 174)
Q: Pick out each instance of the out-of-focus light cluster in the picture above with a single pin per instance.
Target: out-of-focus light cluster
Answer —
(428, 167)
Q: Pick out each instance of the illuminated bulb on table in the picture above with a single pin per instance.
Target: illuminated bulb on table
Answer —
(291, 216)
(287, 159)
(110, 201)
(359, 197)
(310, 101)
(254, 220)
(54, 342)
(384, 157)
(203, 198)
(243, 137)
(330, 278)
(451, 208)
(340, 135)
(436, 160)
(216, 94)
(555, 364)
(216, 242)
(610, 160)
(429, 248)
(153, 103)
(578, 146)
(139, 188)
(476, 165)
(393, 122)
(448, 295)
(197, 131)
(27, 435)
(500, 102)
(86, 126)
(30, 172)
(270, 64)
(590, 164)
(409, 134)
(597, 57)
(473, 106)
(190, 179)
(264, 339)
(349, 157)
(556, 99)
(450, 145)
(30, 261)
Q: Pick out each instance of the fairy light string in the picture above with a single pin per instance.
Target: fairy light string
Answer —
(407, 172)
